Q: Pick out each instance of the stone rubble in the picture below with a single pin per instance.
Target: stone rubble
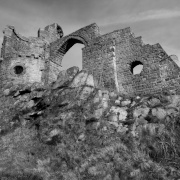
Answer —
(36, 121)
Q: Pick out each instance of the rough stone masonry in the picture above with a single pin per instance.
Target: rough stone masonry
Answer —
(110, 58)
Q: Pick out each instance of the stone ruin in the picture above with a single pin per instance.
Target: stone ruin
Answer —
(110, 58)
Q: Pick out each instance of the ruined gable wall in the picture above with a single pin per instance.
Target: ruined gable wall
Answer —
(127, 51)
(159, 71)
(100, 58)
(13, 45)
(110, 57)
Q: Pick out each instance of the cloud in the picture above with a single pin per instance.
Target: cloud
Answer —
(143, 16)
(155, 14)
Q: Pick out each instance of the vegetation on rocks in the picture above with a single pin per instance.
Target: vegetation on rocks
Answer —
(72, 130)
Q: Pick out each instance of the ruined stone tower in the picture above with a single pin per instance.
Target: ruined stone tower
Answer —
(24, 60)
(110, 58)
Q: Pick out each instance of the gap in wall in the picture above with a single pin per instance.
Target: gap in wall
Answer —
(136, 67)
(73, 57)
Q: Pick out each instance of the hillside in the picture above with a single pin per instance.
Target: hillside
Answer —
(72, 130)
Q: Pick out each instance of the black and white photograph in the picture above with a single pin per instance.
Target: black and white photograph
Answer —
(89, 89)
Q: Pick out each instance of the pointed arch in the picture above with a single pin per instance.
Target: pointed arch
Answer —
(83, 36)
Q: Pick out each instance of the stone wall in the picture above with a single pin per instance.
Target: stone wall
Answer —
(51, 32)
(15, 45)
(21, 70)
(30, 54)
(158, 67)
(98, 59)
(110, 58)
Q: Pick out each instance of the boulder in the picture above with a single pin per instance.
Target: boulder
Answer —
(65, 77)
(113, 95)
(6, 92)
(141, 112)
(30, 104)
(133, 103)
(122, 129)
(154, 102)
(98, 97)
(125, 102)
(82, 78)
(117, 102)
(117, 114)
(160, 113)
(174, 100)
(98, 113)
(86, 91)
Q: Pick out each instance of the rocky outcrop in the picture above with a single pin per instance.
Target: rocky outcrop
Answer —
(73, 130)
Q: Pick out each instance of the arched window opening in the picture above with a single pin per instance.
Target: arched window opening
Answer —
(136, 67)
(72, 54)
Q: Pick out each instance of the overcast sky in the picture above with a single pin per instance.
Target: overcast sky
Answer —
(157, 21)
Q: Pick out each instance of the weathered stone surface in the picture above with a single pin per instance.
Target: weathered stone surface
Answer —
(98, 113)
(82, 78)
(141, 112)
(122, 129)
(110, 58)
(154, 102)
(85, 93)
(174, 101)
(172, 111)
(117, 102)
(159, 113)
(80, 132)
(64, 77)
(98, 97)
(117, 114)
(30, 104)
(113, 95)
(125, 103)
